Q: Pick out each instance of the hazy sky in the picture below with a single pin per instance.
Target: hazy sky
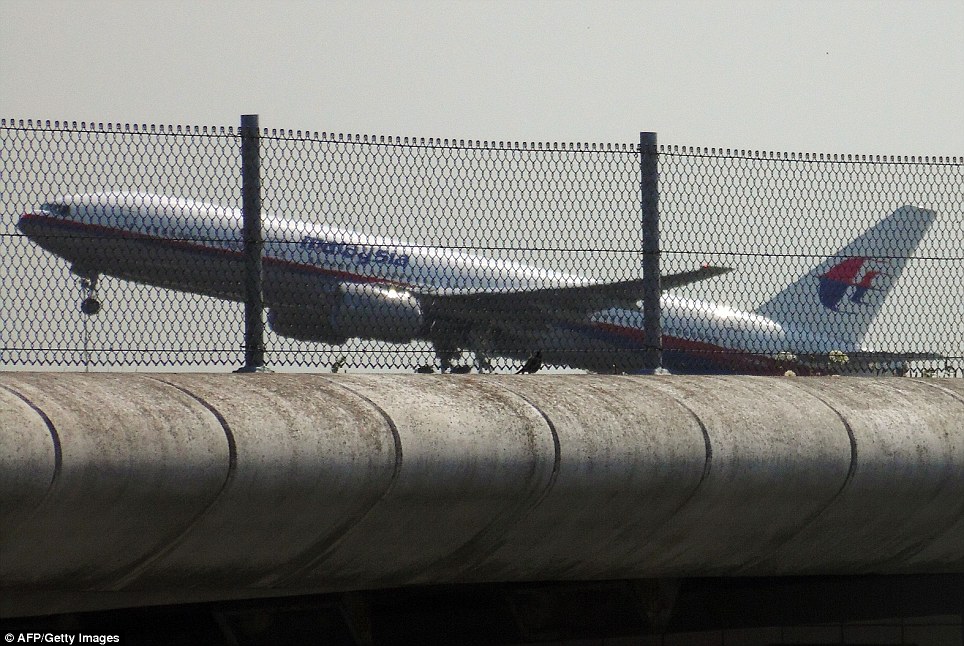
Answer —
(839, 76)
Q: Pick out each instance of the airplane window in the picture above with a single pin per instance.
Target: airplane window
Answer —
(55, 209)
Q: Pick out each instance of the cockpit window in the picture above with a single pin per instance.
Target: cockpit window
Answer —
(55, 208)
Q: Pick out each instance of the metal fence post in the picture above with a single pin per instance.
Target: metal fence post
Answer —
(649, 194)
(253, 244)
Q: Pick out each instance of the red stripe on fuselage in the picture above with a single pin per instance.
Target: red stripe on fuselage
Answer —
(739, 361)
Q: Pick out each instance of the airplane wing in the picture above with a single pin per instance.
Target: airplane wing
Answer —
(556, 302)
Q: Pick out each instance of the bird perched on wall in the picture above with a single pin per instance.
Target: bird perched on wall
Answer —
(460, 370)
(424, 370)
(532, 365)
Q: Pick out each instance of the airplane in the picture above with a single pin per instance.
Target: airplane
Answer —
(326, 284)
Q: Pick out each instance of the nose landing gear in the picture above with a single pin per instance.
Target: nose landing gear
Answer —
(89, 305)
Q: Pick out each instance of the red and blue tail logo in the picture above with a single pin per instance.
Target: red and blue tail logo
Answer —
(841, 277)
(840, 298)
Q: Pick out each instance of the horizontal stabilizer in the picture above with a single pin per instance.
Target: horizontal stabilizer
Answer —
(864, 357)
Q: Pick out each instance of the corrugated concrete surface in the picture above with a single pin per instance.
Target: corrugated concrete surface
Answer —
(125, 489)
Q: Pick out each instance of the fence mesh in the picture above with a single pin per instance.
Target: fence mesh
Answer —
(395, 253)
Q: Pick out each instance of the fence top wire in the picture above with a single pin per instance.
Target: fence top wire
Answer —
(99, 126)
(283, 134)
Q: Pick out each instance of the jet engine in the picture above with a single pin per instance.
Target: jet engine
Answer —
(353, 310)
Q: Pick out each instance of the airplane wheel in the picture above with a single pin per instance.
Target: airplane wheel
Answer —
(90, 306)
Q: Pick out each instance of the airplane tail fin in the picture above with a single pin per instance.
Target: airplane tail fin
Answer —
(834, 304)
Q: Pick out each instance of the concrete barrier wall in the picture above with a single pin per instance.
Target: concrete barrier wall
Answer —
(128, 489)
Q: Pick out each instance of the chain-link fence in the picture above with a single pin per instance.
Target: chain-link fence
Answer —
(122, 246)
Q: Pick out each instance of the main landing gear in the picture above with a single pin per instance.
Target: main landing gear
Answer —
(447, 360)
(451, 342)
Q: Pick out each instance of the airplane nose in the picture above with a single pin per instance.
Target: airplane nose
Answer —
(23, 222)
(29, 223)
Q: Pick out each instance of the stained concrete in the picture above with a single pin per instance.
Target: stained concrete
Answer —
(137, 489)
